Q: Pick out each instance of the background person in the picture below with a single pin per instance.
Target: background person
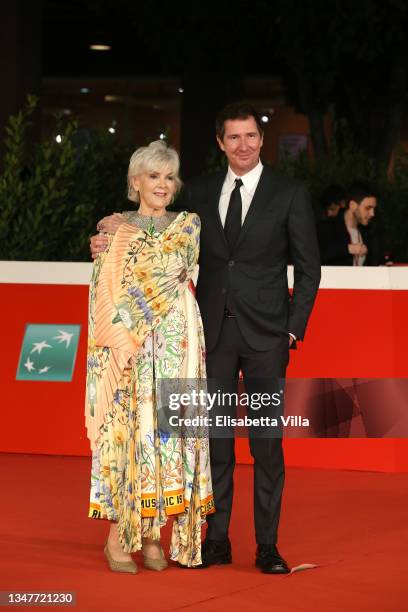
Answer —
(346, 240)
(332, 200)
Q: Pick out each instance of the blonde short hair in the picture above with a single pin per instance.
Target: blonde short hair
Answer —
(156, 156)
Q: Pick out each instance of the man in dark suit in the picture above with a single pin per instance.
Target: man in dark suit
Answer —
(253, 221)
(347, 239)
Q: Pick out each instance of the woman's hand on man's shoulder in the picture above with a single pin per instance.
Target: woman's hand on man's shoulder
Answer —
(107, 225)
(110, 224)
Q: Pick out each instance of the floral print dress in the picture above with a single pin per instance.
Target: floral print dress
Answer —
(145, 326)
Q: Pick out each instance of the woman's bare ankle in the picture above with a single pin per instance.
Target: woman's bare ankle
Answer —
(152, 548)
(114, 545)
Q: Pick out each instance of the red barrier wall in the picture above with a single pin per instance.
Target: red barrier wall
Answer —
(42, 417)
(352, 333)
(359, 334)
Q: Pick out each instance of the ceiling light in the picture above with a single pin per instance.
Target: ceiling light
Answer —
(109, 98)
(111, 130)
(84, 90)
(99, 47)
(58, 138)
(264, 118)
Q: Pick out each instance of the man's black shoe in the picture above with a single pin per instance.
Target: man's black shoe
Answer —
(269, 560)
(213, 552)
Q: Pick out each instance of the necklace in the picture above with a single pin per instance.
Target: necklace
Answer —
(148, 223)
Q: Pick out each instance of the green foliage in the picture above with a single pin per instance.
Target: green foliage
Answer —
(346, 163)
(52, 194)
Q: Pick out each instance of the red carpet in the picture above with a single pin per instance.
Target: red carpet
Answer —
(353, 524)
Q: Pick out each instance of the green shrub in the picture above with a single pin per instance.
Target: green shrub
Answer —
(52, 194)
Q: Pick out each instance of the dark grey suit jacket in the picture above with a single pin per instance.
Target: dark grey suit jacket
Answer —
(279, 229)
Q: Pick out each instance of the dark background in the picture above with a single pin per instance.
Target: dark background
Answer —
(337, 69)
(344, 56)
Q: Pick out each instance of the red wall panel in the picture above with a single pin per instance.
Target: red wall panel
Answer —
(42, 417)
(352, 333)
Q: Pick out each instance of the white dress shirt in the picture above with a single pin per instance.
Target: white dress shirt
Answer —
(250, 182)
(356, 238)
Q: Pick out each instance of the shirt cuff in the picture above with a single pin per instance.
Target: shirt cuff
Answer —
(293, 335)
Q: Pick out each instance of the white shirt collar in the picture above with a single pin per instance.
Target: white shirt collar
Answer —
(250, 179)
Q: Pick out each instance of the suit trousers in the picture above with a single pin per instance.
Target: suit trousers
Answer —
(260, 371)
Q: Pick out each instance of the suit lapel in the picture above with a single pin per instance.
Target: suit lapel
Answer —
(214, 194)
(261, 196)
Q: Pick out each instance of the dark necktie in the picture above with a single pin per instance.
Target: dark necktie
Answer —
(233, 220)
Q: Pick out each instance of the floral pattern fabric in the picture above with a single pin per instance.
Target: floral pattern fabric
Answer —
(144, 326)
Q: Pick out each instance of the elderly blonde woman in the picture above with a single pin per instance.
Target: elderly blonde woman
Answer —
(145, 326)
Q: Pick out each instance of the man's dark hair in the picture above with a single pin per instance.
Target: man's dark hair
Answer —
(360, 190)
(333, 194)
(236, 110)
